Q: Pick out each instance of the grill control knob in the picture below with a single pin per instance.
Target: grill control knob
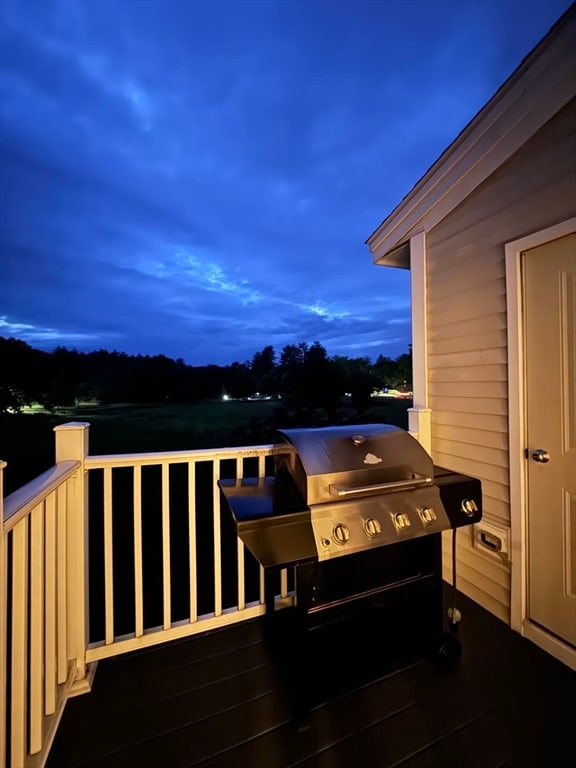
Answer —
(401, 521)
(427, 515)
(340, 533)
(469, 507)
(372, 527)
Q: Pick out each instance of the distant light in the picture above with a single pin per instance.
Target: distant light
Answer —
(225, 397)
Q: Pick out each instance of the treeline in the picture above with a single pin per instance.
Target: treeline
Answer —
(302, 375)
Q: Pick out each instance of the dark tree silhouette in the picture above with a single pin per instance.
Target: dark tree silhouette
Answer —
(306, 377)
(264, 371)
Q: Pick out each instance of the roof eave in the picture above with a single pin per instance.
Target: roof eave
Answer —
(540, 86)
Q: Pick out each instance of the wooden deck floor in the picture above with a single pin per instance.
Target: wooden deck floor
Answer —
(219, 700)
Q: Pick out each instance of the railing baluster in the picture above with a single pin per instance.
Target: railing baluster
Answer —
(3, 622)
(50, 603)
(217, 538)
(3, 644)
(61, 586)
(166, 544)
(36, 701)
(262, 585)
(284, 574)
(138, 583)
(240, 548)
(19, 640)
(192, 540)
(261, 473)
(108, 559)
(283, 583)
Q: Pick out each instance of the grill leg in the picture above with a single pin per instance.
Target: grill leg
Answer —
(269, 590)
(301, 672)
(300, 640)
(286, 637)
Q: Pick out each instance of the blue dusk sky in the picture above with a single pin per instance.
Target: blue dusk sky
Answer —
(198, 178)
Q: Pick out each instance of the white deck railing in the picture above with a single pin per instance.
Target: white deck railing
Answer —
(37, 613)
(45, 649)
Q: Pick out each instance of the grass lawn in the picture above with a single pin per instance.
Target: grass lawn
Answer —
(27, 440)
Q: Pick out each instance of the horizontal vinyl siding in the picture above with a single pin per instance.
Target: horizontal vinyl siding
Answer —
(482, 469)
(470, 270)
(470, 357)
(481, 405)
(466, 327)
(477, 389)
(476, 326)
(454, 343)
(482, 421)
(499, 508)
(466, 373)
(473, 437)
(497, 457)
(471, 306)
(484, 578)
(495, 490)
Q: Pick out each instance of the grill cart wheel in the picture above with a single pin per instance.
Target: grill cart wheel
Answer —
(449, 653)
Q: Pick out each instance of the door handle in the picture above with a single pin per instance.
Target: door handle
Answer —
(540, 455)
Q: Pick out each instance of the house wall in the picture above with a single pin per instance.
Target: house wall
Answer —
(466, 328)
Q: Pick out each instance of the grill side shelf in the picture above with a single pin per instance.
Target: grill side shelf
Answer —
(456, 491)
(277, 535)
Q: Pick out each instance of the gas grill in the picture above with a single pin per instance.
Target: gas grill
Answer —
(357, 511)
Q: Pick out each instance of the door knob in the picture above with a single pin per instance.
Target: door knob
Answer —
(541, 456)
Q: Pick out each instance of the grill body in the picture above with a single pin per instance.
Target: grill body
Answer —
(357, 512)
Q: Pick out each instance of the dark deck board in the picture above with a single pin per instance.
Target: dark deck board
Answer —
(221, 700)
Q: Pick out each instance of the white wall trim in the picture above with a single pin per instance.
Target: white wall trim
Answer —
(517, 434)
(419, 426)
(551, 644)
(419, 331)
(419, 415)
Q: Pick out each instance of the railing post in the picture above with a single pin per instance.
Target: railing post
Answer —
(3, 624)
(419, 425)
(72, 445)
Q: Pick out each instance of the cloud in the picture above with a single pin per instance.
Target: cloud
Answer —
(199, 179)
(41, 336)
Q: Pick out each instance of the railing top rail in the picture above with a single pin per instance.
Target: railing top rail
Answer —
(20, 503)
(177, 457)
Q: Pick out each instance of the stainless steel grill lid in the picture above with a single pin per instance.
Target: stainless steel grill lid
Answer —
(345, 461)
(366, 485)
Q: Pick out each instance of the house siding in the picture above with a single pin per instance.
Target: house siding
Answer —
(466, 329)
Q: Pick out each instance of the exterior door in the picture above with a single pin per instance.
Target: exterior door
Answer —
(550, 348)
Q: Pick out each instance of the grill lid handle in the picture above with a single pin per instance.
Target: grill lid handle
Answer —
(415, 482)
